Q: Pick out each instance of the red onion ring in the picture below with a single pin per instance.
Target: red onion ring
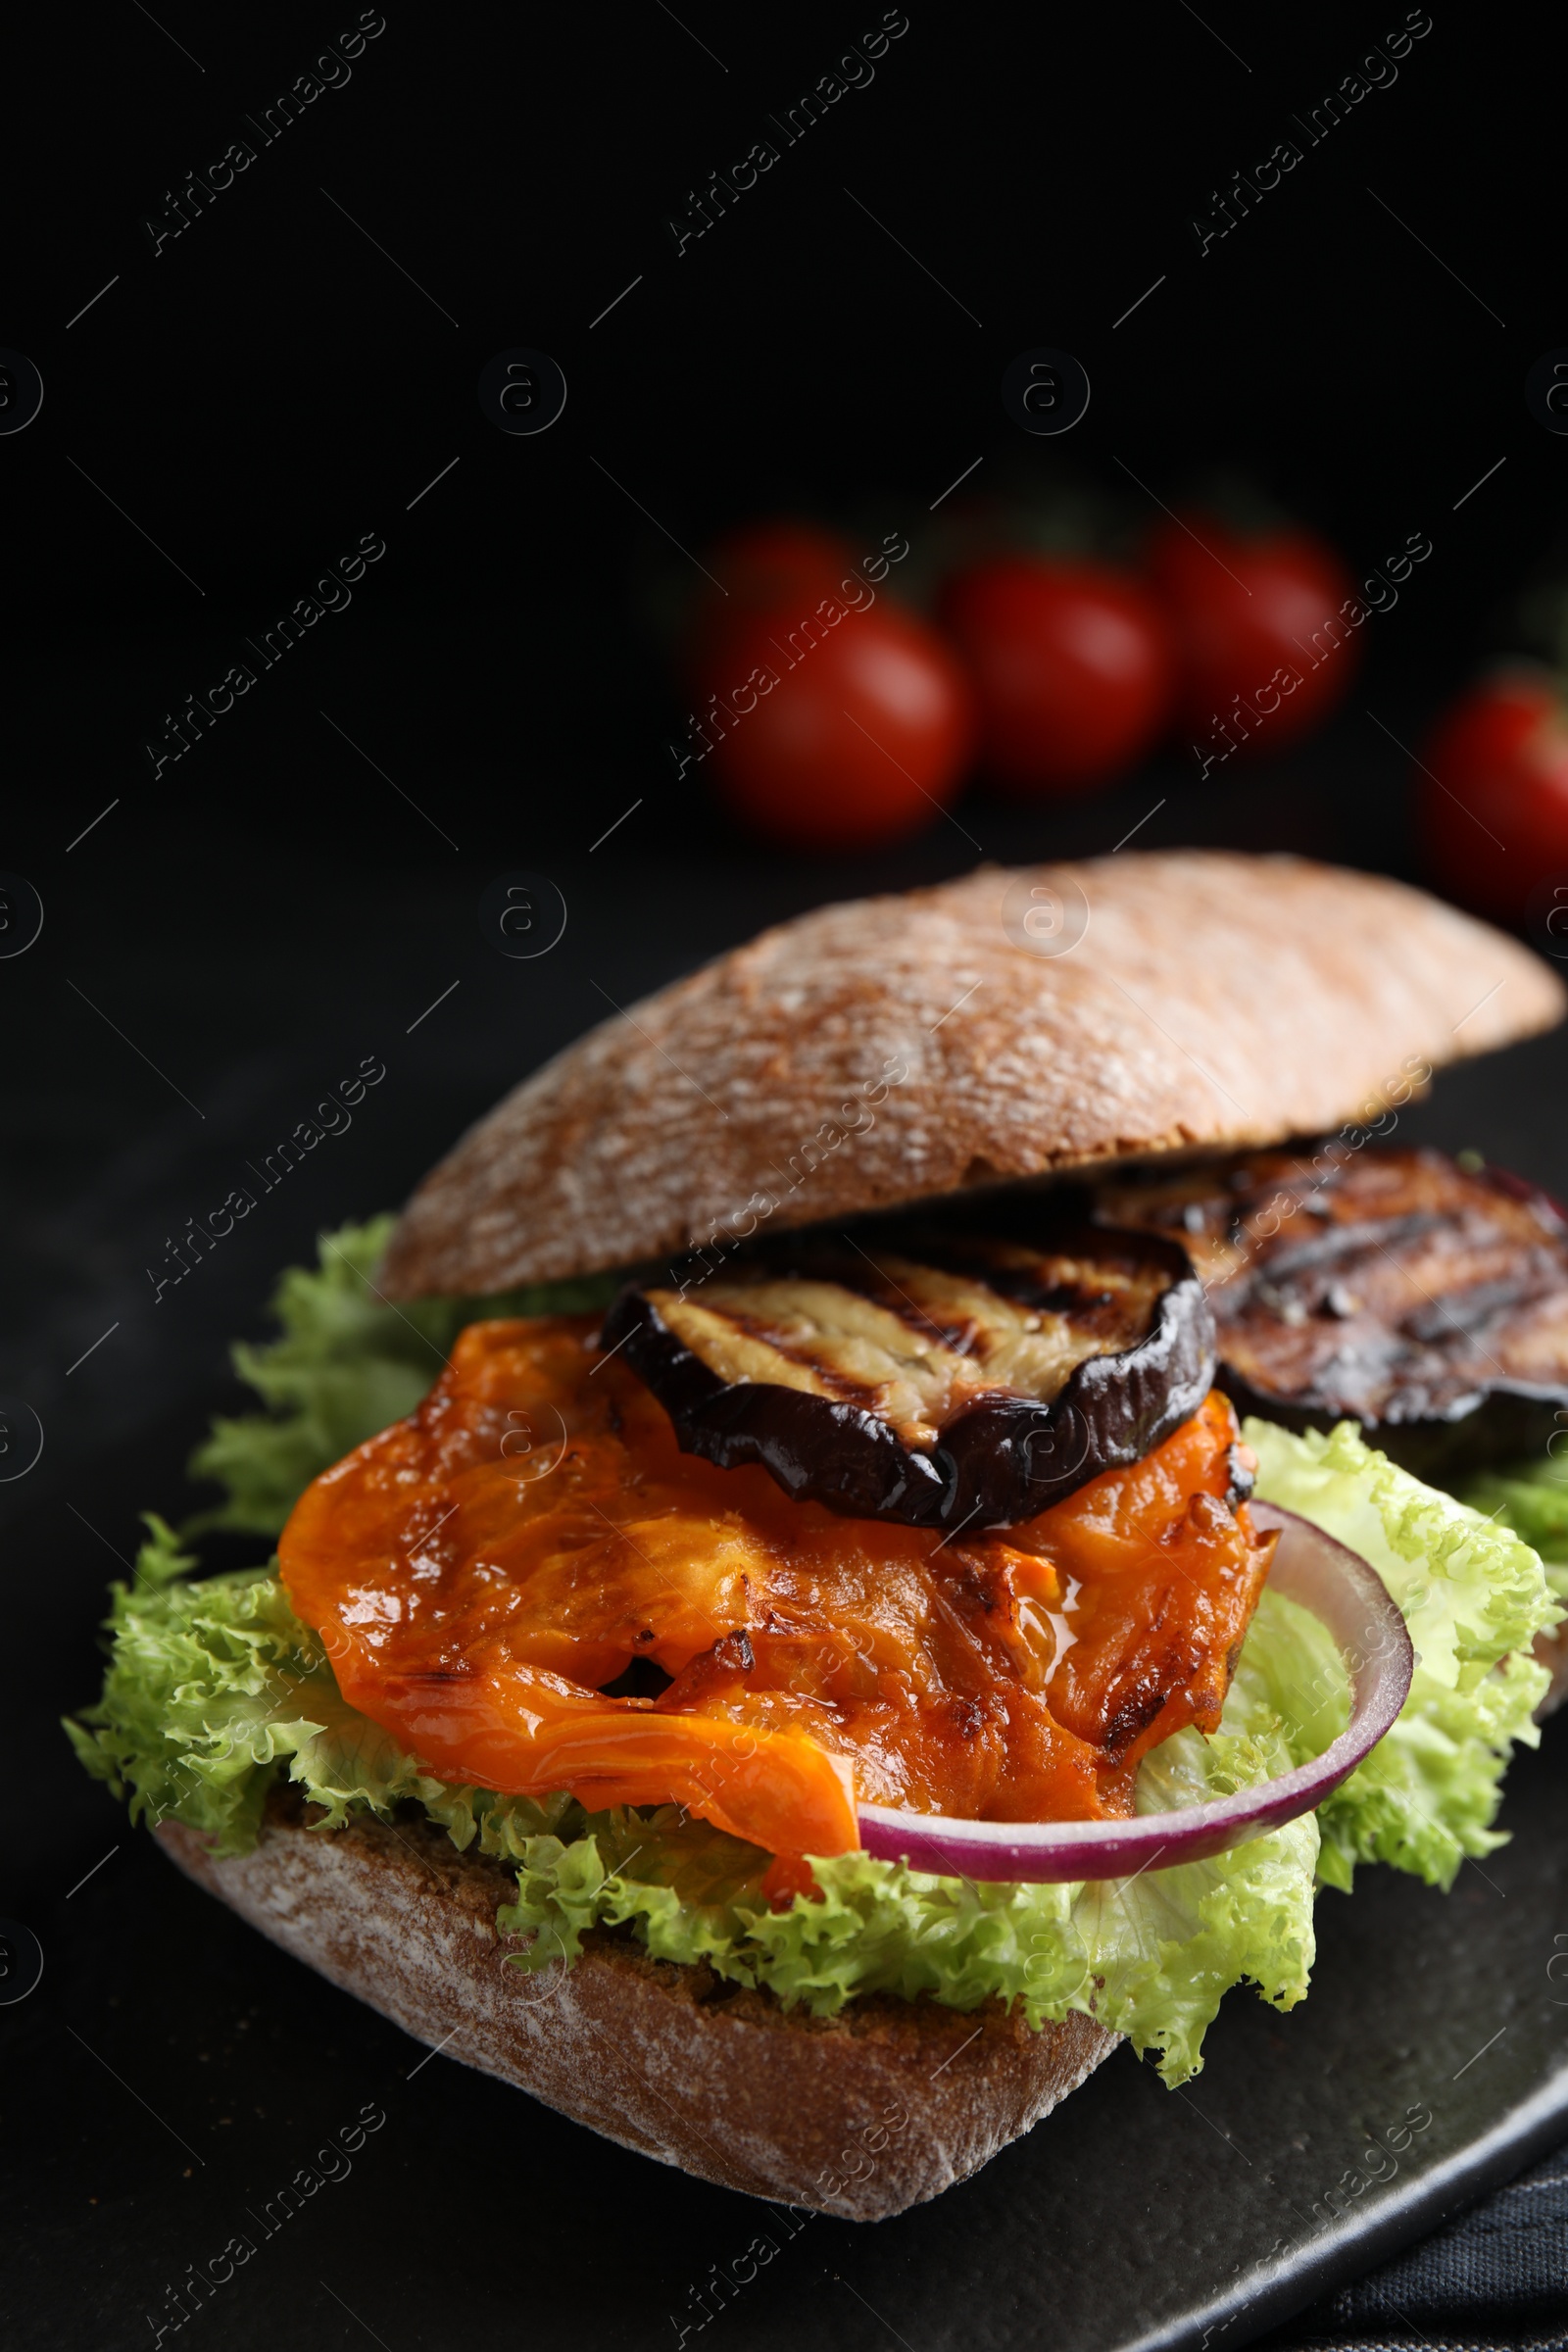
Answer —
(1309, 1567)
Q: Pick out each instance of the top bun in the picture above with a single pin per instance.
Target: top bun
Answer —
(1011, 1024)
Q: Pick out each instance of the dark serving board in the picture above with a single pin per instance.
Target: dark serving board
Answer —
(171, 2072)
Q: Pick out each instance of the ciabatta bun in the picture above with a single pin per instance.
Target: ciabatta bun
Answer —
(900, 1049)
(862, 2115)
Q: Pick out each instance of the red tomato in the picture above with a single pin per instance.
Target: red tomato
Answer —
(1492, 791)
(834, 733)
(1263, 631)
(1072, 664)
(757, 569)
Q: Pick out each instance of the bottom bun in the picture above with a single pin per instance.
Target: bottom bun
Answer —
(860, 2115)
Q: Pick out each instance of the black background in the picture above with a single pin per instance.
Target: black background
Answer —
(269, 386)
(239, 929)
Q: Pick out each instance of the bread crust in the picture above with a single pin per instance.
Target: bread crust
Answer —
(904, 1048)
(862, 2114)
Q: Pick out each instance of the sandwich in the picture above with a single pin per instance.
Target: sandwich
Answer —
(844, 1555)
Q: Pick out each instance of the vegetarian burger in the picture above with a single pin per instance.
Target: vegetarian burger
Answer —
(827, 1567)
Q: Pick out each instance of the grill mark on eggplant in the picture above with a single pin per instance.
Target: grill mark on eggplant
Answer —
(1103, 1314)
(785, 1351)
(828, 1380)
(1468, 1313)
(962, 1338)
(1345, 1240)
(964, 1326)
(794, 1332)
(1424, 1300)
(991, 1449)
(1034, 1277)
(914, 1342)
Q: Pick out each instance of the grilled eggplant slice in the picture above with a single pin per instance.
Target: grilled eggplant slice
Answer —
(954, 1381)
(1394, 1288)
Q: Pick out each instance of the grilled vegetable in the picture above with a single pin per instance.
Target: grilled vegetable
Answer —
(1392, 1288)
(642, 1628)
(972, 1384)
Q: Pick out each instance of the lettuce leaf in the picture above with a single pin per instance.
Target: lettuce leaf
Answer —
(1532, 1498)
(348, 1363)
(1474, 1597)
(215, 1689)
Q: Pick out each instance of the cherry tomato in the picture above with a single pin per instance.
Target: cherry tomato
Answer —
(1072, 664)
(757, 569)
(833, 727)
(1492, 791)
(1263, 631)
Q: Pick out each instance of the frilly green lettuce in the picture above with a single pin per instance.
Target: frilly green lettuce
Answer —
(348, 1363)
(1474, 1597)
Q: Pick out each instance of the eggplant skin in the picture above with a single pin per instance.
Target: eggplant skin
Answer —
(1391, 1287)
(998, 1460)
(1480, 1431)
